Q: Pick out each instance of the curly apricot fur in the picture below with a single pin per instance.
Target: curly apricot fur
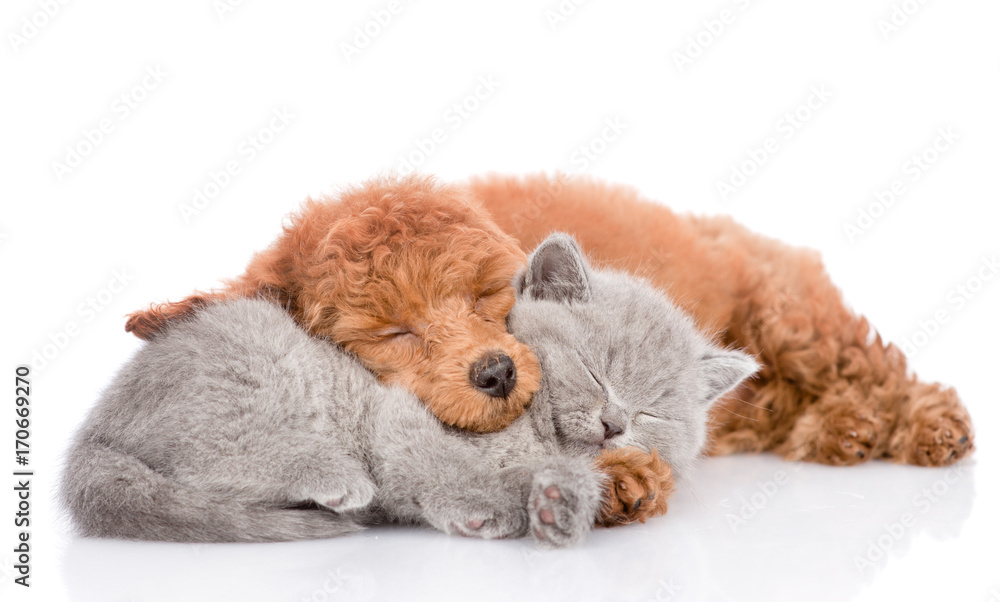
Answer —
(393, 255)
(829, 390)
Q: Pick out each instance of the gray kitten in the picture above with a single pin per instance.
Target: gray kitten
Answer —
(236, 425)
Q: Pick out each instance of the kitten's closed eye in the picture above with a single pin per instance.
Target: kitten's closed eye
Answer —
(493, 305)
(651, 417)
(597, 381)
(655, 415)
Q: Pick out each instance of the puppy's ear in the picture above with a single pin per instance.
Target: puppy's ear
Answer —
(557, 271)
(723, 370)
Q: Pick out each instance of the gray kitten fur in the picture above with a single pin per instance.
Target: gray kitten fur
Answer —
(235, 425)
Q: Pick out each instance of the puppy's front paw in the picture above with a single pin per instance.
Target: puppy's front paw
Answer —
(349, 496)
(637, 488)
(561, 507)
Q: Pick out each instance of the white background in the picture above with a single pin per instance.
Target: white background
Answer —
(686, 124)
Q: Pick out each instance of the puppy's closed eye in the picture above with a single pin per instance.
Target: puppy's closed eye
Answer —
(493, 305)
(397, 334)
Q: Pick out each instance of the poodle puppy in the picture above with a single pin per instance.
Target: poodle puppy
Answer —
(829, 390)
(413, 278)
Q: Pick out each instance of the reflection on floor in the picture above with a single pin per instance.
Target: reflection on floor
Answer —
(745, 528)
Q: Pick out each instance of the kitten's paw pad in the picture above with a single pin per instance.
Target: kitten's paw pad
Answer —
(558, 508)
(637, 488)
(942, 441)
(344, 499)
(484, 528)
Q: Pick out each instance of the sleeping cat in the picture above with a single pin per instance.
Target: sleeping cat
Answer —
(236, 425)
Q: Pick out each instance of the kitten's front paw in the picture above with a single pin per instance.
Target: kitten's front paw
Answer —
(486, 527)
(497, 515)
(561, 507)
(637, 488)
(349, 496)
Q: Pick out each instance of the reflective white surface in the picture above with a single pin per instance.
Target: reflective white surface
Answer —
(752, 528)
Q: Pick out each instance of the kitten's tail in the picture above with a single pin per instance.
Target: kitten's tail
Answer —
(111, 494)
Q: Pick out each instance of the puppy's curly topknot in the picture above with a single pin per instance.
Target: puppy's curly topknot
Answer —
(410, 275)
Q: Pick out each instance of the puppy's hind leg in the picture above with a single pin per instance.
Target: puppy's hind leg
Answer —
(933, 428)
(875, 409)
(841, 428)
(868, 406)
(830, 390)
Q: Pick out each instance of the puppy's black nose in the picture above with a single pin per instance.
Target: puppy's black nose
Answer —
(494, 374)
(611, 429)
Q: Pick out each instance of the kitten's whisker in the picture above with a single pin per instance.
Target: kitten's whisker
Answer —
(738, 415)
(753, 405)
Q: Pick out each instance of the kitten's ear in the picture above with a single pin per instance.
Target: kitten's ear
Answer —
(557, 271)
(723, 370)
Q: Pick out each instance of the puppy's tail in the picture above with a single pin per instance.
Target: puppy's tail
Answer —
(111, 494)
